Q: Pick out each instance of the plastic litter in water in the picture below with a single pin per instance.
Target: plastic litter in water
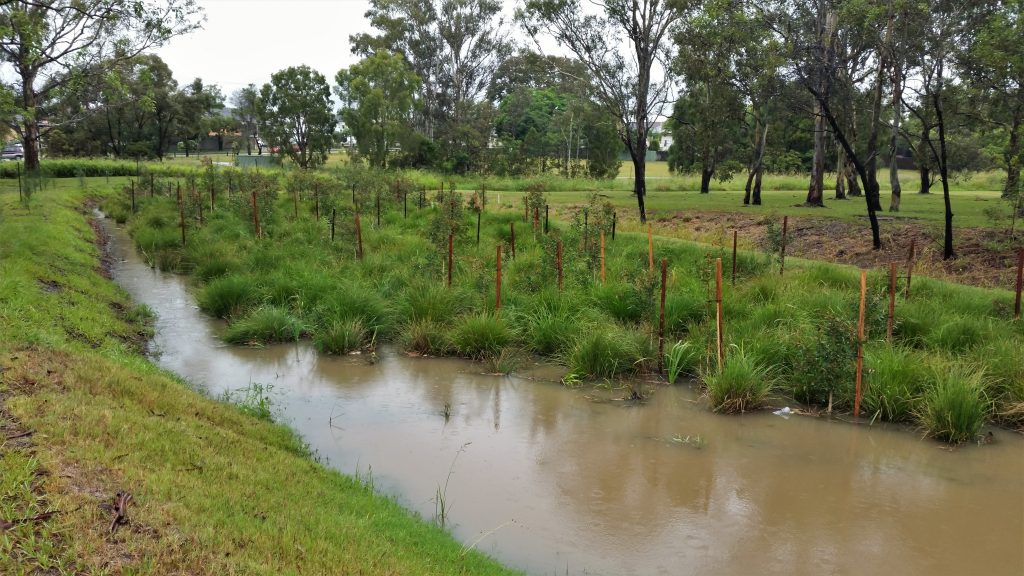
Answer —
(784, 412)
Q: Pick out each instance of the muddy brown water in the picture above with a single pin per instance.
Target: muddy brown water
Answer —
(558, 481)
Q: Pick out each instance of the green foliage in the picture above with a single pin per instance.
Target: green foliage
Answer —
(296, 115)
(265, 324)
(481, 335)
(894, 382)
(604, 353)
(253, 400)
(425, 337)
(741, 384)
(827, 362)
(955, 406)
(340, 336)
(377, 97)
(228, 296)
(682, 358)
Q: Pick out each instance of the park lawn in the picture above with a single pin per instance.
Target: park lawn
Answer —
(214, 490)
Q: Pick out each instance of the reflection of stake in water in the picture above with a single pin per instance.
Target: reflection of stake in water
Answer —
(441, 506)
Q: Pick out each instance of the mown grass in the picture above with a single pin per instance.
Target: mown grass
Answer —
(214, 489)
(799, 326)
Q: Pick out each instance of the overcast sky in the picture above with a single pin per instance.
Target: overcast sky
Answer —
(245, 41)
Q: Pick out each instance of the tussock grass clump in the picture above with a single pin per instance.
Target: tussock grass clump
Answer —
(481, 335)
(506, 361)
(958, 335)
(683, 308)
(228, 296)
(432, 302)
(621, 301)
(604, 353)
(917, 320)
(955, 406)
(895, 382)
(682, 358)
(550, 331)
(340, 336)
(425, 337)
(266, 324)
(353, 301)
(832, 276)
(740, 385)
(1004, 370)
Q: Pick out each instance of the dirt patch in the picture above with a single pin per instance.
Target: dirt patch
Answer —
(984, 257)
(102, 241)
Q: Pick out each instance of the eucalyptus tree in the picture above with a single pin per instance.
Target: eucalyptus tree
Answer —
(296, 116)
(197, 107)
(245, 104)
(377, 100)
(454, 48)
(707, 118)
(949, 24)
(993, 64)
(622, 48)
(54, 46)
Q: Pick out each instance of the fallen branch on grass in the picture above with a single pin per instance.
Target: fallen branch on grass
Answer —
(8, 524)
(16, 436)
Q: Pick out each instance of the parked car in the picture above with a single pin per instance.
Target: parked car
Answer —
(13, 152)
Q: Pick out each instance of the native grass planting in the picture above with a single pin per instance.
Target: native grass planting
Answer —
(355, 259)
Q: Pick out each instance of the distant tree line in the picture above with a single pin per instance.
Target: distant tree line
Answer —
(743, 87)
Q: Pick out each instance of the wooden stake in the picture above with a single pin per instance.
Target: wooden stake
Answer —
(450, 245)
(133, 196)
(734, 236)
(199, 204)
(602, 256)
(892, 301)
(910, 268)
(860, 342)
(720, 340)
(181, 215)
(256, 216)
(213, 197)
(359, 237)
(512, 230)
(1020, 283)
(497, 288)
(479, 212)
(536, 218)
(650, 248)
(615, 216)
(661, 317)
(353, 195)
(558, 264)
(782, 250)
(295, 202)
(546, 214)
(405, 203)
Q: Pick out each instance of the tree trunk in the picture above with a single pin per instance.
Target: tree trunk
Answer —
(757, 185)
(640, 184)
(923, 169)
(1013, 155)
(947, 244)
(705, 179)
(851, 181)
(840, 174)
(747, 187)
(894, 135)
(871, 188)
(29, 125)
(816, 188)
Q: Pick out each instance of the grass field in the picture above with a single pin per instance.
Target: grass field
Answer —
(84, 416)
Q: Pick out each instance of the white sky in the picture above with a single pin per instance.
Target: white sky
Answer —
(245, 41)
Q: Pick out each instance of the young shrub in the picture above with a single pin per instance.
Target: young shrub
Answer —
(341, 336)
(425, 337)
(481, 335)
(894, 383)
(266, 324)
(955, 407)
(228, 296)
(825, 366)
(740, 385)
(604, 353)
(682, 358)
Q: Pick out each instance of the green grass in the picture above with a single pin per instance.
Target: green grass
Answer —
(481, 335)
(264, 325)
(740, 385)
(955, 407)
(895, 381)
(605, 353)
(69, 348)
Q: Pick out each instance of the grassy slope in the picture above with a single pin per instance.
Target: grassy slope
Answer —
(214, 491)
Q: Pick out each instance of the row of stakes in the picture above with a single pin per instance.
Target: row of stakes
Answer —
(720, 352)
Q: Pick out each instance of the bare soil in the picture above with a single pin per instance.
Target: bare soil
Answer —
(984, 257)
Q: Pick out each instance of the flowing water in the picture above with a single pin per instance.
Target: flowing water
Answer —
(558, 481)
